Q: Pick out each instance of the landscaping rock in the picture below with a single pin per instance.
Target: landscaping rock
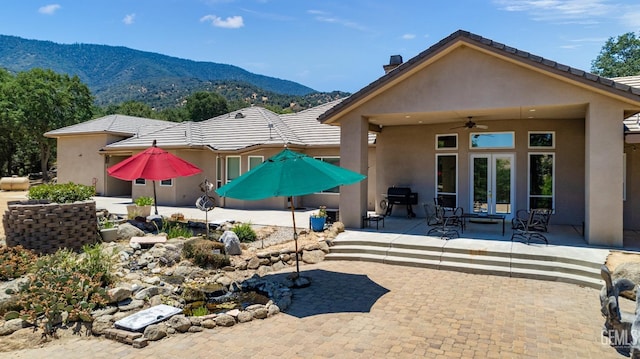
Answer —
(179, 323)
(245, 316)
(126, 231)
(209, 323)
(101, 324)
(118, 294)
(225, 320)
(313, 257)
(231, 243)
(254, 263)
(195, 329)
(630, 271)
(156, 331)
(12, 326)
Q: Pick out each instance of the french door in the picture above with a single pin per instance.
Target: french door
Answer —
(492, 183)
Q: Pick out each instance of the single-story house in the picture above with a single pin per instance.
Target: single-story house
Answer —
(495, 129)
(224, 147)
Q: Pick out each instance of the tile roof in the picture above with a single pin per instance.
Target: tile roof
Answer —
(615, 87)
(244, 128)
(116, 124)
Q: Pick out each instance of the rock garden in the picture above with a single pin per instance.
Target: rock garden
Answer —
(93, 291)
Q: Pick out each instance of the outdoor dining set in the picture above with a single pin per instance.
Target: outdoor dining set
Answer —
(448, 222)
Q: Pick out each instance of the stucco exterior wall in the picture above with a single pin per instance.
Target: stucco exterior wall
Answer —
(79, 161)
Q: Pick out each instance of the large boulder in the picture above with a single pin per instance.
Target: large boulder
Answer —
(630, 271)
(231, 243)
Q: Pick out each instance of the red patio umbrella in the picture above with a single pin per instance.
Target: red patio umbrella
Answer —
(153, 164)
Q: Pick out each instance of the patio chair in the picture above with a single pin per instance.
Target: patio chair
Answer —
(526, 229)
(432, 216)
(447, 224)
(540, 222)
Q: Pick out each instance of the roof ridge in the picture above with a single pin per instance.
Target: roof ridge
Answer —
(270, 121)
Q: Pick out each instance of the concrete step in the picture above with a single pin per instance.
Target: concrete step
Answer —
(485, 261)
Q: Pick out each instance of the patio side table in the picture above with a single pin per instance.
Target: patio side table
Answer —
(377, 218)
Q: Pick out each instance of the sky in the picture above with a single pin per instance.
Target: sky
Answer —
(326, 45)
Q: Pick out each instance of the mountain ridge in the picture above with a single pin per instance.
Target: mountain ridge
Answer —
(117, 73)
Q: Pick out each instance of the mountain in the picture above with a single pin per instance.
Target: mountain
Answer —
(116, 74)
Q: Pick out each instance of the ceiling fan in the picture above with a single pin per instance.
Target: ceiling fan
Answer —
(470, 124)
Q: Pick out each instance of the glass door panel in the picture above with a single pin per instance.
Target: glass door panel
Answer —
(492, 183)
(480, 184)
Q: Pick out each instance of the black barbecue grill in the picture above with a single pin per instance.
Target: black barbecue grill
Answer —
(401, 196)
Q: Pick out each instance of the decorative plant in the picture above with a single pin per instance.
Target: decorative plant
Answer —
(104, 223)
(143, 201)
(322, 212)
(62, 192)
(244, 232)
(65, 282)
(15, 262)
(174, 230)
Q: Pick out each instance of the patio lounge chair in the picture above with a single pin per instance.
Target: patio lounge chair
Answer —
(527, 229)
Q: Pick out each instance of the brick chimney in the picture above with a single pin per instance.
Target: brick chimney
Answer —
(394, 61)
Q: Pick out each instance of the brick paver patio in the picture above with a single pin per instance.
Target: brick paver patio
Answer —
(425, 313)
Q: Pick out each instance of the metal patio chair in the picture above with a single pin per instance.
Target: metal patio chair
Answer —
(528, 229)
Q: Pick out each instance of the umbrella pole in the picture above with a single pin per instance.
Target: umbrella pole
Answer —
(155, 201)
(295, 237)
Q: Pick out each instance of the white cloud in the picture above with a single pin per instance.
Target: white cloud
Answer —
(408, 36)
(232, 22)
(49, 9)
(566, 11)
(324, 16)
(129, 19)
(632, 18)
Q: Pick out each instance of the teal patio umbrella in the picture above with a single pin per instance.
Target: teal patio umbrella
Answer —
(288, 174)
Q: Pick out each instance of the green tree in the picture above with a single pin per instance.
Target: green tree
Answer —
(205, 105)
(132, 108)
(49, 101)
(618, 57)
(12, 131)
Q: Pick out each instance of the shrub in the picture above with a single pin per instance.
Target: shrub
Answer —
(244, 232)
(201, 252)
(15, 262)
(62, 192)
(144, 201)
(174, 230)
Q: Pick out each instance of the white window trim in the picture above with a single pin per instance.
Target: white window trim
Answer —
(446, 148)
(553, 140)
(135, 182)
(226, 174)
(219, 167)
(553, 175)
(624, 176)
(457, 177)
(513, 141)
(249, 161)
(167, 185)
(322, 192)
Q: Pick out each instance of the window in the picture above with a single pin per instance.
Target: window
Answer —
(233, 168)
(334, 161)
(140, 182)
(542, 140)
(219, 172)
(541, 181)
(447, 142)
(447, 179)
(166, 182)
(492, 140)
(254, 161)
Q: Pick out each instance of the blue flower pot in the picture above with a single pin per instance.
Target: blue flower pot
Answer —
(317, 223)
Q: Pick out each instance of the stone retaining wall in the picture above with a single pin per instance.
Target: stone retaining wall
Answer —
(45, 227)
